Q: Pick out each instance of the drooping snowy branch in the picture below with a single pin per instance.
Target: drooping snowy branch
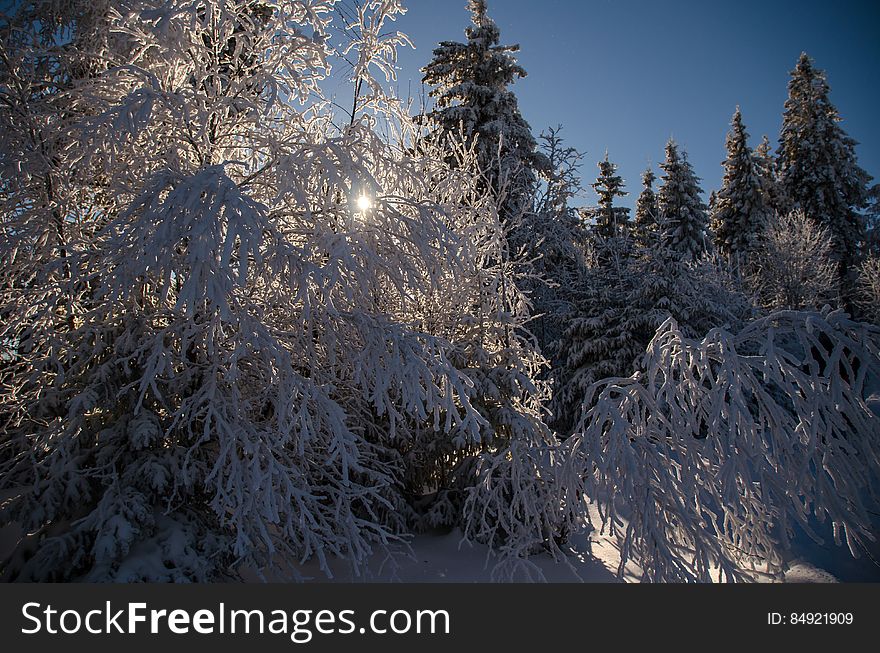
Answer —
(237, 362)
(713, 455)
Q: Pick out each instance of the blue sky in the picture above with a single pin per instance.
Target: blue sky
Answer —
(627, 74)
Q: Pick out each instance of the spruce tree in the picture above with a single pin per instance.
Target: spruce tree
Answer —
(472, 90)
(818, 170)
(610, 220)
(774, 197)
(625, 300)
(603, 337)
(739, 213)
(683, 218)
(646, 211)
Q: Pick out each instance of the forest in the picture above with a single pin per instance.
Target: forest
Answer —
(243, 327)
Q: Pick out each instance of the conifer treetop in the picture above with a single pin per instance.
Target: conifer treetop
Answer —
(608, 186)
(646, 210)
(817, 165)
(683, 218)
(739, 210)
(471, 86)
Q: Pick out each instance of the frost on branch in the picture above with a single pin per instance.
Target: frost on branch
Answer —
(794, 267)
(223, 359)
(234, 364)
(868, 288)
(721, 448)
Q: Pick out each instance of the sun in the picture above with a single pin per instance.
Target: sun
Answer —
(364, 203)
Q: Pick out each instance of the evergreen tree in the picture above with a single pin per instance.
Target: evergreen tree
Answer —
(603, 337)
(611, 221)
(683, 218)
(739, 213)
(818, 170)
(765, 162)
(625, 300)
(472, 89)
(646, 227)
(872, 222)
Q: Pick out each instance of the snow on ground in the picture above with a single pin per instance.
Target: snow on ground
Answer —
(811, 560)
(441, 557)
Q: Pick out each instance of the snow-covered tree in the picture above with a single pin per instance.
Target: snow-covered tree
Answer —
(500, 487)
(739, 213)
(257, 339)
(793, 267)
(710, 205)
(563, 182)
(601, 336)
(236, 332)
(472, 92)
(552, 241)
(625, 299)
(646, 217)
(683, 220)
(872, 222)
(707, 462)
(818, 169)
(368, 49)
(765, 163)
(611, 221)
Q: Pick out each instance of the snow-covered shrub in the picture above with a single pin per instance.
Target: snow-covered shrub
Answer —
(708, 459)
(527, 501)
(793, 267)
